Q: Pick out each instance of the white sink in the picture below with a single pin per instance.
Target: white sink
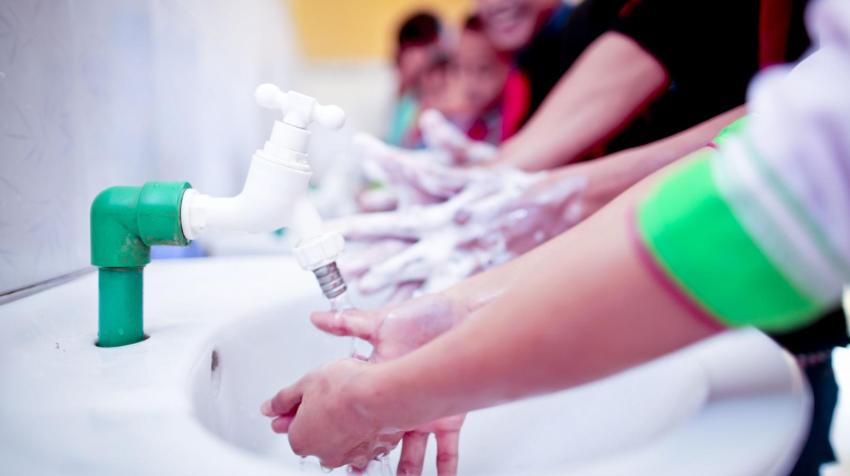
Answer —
(228, 333)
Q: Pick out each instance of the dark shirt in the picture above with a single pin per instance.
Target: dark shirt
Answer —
(538, 61)
(560, 42)
(710, 52)
(709, 49)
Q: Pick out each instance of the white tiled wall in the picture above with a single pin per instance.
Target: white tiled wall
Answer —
(96, 93)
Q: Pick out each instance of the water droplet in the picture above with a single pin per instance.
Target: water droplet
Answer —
(325, 469)
(341, 302)
(385, 469)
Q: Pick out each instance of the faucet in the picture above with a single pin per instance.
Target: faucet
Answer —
(126, 221)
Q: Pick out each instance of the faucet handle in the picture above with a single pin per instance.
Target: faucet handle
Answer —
(298, 109)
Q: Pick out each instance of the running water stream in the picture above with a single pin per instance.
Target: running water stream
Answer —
(359, 349)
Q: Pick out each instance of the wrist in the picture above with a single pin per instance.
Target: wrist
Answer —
(469, 296)
(606, 179)
(510, 153)
(375, 396)
(456, 296)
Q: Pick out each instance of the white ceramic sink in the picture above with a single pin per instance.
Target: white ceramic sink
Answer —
(227, 333)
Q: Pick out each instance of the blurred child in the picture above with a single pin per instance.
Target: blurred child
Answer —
(478, 80)
(420, 48)
(467, 90)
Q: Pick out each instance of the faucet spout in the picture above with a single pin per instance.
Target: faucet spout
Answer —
(274, 196)
(266, 203)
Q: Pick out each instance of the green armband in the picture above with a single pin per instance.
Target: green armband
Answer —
(690, 231)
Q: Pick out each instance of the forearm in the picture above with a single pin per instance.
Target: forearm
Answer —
(609, 176)
(606, 178)
(588, 105)
(487, 286)
(537, 337)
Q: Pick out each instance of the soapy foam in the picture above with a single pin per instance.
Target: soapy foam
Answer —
(491, 221)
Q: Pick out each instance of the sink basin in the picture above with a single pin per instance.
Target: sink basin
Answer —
(732, 405)
(227, 333)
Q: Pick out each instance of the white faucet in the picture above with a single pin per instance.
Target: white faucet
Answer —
(275, 192)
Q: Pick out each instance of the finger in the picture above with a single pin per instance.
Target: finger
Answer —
(412, 169)
(478, 152)
(461, 265)
(404, 292)
(351, 322)
(411, 264)
(281, 424)
(423, 170)
(284, 402)
(416, 263)
(447, 452)
(376, 225)
(437, 180)
(359, 465)
(383, 160)
(357, 260)
(412, 457)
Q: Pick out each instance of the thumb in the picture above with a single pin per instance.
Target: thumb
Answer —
(412, 264)
(351, 322)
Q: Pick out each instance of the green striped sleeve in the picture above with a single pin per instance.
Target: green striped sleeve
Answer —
(694, 236)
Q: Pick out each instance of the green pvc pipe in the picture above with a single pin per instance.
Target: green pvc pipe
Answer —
(120, 306)
(125, 222)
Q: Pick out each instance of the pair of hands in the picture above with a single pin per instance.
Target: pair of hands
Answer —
(323, 412)
(451, 222)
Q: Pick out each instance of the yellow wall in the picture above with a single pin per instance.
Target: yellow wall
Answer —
(360, 29)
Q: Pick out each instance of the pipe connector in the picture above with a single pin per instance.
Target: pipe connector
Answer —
(125, 222)
(319, 254)
(330, 280)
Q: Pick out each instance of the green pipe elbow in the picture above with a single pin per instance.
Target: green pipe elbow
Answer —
(125, 222)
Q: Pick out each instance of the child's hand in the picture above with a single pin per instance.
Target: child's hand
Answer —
(439, 133)
(324, 417)
(415, 442)
(430, 175)
(395, 330)
(320, 414)
(488, 223)
(414, 176)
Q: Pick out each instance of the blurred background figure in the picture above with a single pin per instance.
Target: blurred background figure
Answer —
(526, 33)
(477, 81)
(420, 61)
(463, 80)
